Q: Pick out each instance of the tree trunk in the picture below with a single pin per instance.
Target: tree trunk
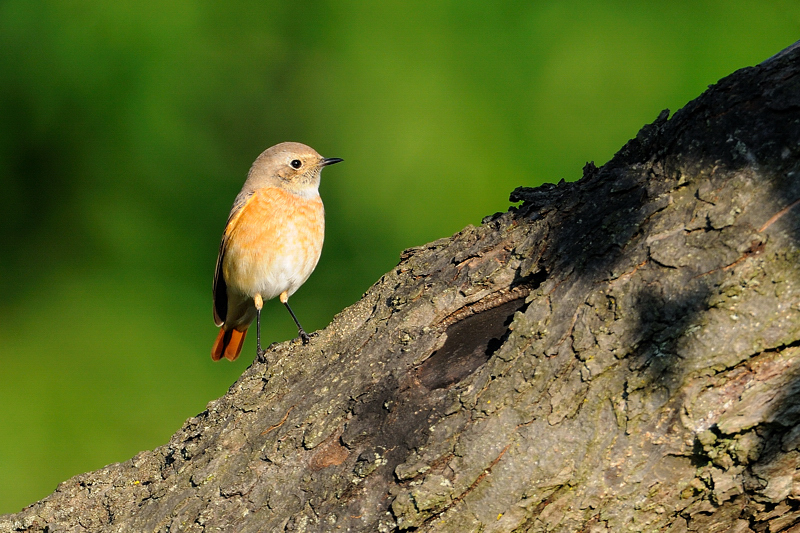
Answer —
(621, 353)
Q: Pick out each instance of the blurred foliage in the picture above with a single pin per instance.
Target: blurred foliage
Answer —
(127, 128)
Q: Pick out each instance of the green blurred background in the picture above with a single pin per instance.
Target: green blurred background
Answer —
(127, 128)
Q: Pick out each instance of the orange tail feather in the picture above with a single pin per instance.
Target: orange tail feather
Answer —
(228, 344)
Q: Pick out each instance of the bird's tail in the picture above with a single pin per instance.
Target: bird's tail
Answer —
(228, 344)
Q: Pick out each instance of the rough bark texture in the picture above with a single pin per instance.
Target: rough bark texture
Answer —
(621, 353)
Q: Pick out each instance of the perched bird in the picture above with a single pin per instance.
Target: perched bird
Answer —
(271, 243)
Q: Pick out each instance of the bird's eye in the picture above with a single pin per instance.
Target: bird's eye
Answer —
(296, 163)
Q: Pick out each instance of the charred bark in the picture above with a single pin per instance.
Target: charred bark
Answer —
(621, 353)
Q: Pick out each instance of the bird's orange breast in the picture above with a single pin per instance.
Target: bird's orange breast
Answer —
(273, 243)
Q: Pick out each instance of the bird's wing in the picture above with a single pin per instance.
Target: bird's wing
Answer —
(220, 291)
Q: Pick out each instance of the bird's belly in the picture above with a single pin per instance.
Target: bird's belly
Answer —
(275, 245)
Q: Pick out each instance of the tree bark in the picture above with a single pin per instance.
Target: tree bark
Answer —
(621, 353)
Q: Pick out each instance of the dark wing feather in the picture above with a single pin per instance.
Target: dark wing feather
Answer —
(220, 291)
(220, 288)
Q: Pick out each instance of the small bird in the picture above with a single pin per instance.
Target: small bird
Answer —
(271, 243)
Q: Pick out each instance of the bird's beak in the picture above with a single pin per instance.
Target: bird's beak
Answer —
(330, 161)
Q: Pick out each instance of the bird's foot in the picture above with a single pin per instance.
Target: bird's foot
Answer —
(304, 337)
(261, 355)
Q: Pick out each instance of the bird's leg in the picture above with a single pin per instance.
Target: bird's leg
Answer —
(285, 301)
(259, 302)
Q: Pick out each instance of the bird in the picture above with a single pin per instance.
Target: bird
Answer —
(271, 243)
